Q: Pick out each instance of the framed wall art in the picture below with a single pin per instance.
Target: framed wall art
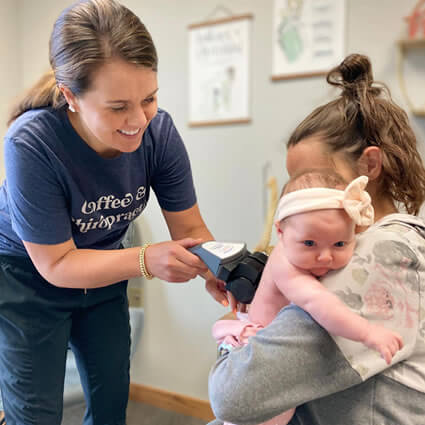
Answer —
(308, 37)
(219, 64)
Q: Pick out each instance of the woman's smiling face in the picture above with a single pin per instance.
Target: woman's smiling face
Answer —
(112, 115)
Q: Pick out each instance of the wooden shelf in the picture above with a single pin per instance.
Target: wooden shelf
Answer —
(404, 45)
(412, 43)
(418, 112)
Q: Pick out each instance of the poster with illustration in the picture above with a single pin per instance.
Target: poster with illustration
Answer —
(308, 37)
(219, 71)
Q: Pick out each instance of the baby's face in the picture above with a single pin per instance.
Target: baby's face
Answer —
(318, 241)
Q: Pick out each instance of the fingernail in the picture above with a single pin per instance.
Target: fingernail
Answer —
(225, 303)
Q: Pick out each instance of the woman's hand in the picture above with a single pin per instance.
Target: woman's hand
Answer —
(172, 262)
(216, 288)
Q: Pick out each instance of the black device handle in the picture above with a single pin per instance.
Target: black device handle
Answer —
(242, 275)
(245, 277)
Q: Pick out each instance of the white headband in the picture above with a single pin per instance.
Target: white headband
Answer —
(354, 199)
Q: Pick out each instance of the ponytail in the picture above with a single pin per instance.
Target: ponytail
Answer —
(44, 93)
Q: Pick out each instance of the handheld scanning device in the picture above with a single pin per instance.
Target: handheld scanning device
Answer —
(232, 263)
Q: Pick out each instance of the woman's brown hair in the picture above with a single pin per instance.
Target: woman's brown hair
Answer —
(84, 37)
(365, 115)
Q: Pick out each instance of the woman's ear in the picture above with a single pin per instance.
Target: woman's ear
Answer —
(69, 97)
(370, 162)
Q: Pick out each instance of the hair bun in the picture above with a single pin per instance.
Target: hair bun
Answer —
(354, 72)
(355, 68)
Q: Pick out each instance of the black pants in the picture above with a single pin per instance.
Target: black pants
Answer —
(37, 323)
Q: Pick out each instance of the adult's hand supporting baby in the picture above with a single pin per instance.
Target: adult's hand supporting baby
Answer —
(172, 262)
(216, 288)
(235, 305)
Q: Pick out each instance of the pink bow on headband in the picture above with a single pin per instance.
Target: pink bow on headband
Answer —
(357, 202)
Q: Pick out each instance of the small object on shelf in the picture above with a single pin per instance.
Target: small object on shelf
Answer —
(403, 46)
(416, 21)
(415, 40)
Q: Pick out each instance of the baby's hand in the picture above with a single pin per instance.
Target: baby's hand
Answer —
(384, 341)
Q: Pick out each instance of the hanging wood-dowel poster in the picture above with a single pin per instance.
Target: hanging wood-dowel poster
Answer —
(219, 63)
(308, 37)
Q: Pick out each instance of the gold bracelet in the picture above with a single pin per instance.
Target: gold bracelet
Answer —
(143, 270)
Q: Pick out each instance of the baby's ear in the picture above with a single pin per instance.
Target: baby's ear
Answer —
(278, 229)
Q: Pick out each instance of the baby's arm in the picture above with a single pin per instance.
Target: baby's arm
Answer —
(268, 299)
(330, 312)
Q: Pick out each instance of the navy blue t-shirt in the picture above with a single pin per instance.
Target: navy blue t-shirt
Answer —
(58, 188)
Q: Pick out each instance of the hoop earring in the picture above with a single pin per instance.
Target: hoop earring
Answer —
(71, 108)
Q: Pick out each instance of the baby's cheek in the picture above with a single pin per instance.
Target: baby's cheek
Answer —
(300, 259)
(344, 259)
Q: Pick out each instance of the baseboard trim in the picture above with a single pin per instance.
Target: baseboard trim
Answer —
(175, 402)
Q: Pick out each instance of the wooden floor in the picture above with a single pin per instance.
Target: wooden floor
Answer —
(137, 414)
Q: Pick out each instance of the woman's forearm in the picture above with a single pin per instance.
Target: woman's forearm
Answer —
(89, 268)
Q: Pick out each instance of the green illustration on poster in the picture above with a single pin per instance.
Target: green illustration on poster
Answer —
(289, 37)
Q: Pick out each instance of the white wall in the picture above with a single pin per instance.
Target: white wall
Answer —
(176, 349)
(9, 61)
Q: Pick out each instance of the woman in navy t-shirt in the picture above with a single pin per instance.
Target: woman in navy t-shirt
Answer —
(83, 150)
